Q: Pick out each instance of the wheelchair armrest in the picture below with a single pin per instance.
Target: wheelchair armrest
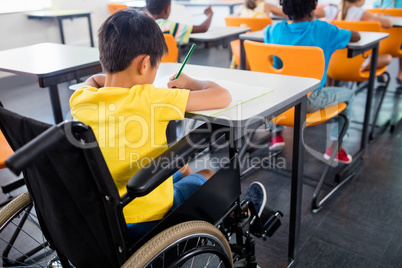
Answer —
(158, 170)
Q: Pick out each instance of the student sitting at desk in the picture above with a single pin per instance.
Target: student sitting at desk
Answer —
(160, 11)
(259, 9)
(129, 116)
(306, 31)
(388, 3)
(352, 10)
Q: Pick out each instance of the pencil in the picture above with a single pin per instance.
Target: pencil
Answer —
(185, 61)
(387, 6)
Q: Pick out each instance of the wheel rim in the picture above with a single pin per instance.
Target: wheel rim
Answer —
(196, 250)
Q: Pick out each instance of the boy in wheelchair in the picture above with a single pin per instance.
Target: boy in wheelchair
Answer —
(128, 117)
(131, 46)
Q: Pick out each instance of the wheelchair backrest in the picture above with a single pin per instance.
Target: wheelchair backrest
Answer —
(77, 203)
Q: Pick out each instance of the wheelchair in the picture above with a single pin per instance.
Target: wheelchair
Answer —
(80, 211)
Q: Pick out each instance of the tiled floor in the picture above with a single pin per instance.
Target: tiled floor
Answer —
(360, 226)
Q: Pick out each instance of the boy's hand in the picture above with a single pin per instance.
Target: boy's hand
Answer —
(184, 81)
(208, 11)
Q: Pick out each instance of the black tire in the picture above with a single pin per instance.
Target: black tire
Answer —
(21, 240)
(189, 244)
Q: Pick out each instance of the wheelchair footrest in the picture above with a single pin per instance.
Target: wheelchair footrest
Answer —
(266, 224)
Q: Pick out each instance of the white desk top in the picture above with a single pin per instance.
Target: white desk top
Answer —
(137, 4)
(254, 95)
(367, 38)
(218, 33)
(396, 21)
(56, 13)
(46, 59)
(210, 3)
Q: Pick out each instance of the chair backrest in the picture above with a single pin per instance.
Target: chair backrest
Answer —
(75, 198)
(395, 12)
(294, 59)
(256, 24)
(115, 7)
(173, 52)
(361, 26)
(5, 150)
(343, 68)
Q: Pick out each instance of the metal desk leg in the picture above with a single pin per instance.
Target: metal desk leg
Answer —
(90, 31)
(55, 102)
(297, 183)
(348, 169)
(242, 56)
(171, 136)
(60, 21)
(370, 89)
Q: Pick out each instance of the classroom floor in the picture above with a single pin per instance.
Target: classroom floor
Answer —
(359, 226)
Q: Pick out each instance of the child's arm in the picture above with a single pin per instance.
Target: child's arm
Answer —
(204, 95)
(385, 22)
(203, 27)
(355, 36)
(274, 9)
(319, 13)
(97, 80)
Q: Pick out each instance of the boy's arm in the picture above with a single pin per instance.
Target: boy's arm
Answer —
(355, 36)
(319, 13)
(204, 95)
(274, 9)
(203, 27)
(385, 22)
(97, 81)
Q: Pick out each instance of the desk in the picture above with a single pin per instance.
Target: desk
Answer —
(140, 5)
(52, 64)
(225, 3)
(259, 100)
(61, 15)
(218, 34)
(396, 21)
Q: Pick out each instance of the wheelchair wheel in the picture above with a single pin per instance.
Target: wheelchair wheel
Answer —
(21, 240)
(189, 244)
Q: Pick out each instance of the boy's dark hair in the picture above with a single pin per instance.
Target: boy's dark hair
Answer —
(251, 4)
(298, 9)
(127, 34)
(155, 7)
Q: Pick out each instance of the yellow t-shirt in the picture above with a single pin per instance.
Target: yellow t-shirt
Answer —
(258, 12)
(130, 127)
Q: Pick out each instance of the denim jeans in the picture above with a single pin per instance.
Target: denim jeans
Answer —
(328, 96)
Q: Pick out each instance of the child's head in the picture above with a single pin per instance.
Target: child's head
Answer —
(127, 34)
(298, 9)
(251, 4)
(344, 6)
(159, 7)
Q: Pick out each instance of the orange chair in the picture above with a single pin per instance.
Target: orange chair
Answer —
(5, 150)
(256, 24)
(115, 7)
(173, 51)
(395, 12)
(295, 59)
(349, 69)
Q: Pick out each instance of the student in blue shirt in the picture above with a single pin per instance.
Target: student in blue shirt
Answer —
(306, 31)
(388, 3)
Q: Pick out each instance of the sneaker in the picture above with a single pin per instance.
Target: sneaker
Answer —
(257, 194)
(341, 157)
(277, 143)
